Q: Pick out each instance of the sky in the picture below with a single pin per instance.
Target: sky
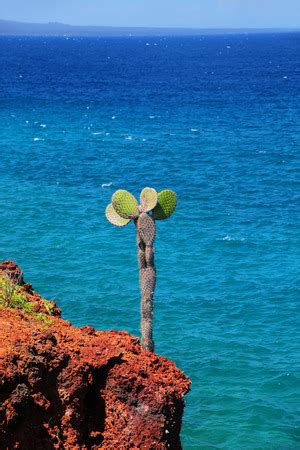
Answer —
(157, 13)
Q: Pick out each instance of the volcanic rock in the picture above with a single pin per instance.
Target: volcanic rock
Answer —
(63, 387)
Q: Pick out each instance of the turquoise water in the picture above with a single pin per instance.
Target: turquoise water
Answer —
(217, 120)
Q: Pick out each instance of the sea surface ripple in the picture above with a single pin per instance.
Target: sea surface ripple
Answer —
(217, 120)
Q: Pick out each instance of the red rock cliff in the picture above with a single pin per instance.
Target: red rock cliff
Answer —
(63, 387)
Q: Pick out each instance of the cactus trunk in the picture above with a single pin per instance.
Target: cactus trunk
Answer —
(145, 242)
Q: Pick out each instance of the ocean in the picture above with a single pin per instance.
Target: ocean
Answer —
(216, 119)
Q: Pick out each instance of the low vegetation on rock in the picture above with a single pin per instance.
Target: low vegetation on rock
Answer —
(15, 294)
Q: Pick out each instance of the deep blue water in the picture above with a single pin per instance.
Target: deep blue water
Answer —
(217, 120)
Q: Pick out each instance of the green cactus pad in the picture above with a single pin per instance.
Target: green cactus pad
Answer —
(166, 204)
(125, 204)
(114, 218)
(148, 199)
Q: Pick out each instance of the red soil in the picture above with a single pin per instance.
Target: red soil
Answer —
(63, 387)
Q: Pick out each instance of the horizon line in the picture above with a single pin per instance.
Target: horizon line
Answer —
(155, 27)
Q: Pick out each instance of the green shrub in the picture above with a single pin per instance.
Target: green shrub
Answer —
(11, 296)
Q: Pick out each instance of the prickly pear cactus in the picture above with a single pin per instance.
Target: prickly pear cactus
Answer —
(166, 204)
(146, 231)
(125, 204)
(148, 199)
(153, 206)
(114, 218)
(146, 228)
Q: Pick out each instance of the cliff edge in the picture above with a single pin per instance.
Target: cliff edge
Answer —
(63, 387)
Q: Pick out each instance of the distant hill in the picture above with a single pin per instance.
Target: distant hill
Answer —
(11, 28)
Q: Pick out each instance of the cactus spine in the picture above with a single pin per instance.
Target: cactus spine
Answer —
(153, 207)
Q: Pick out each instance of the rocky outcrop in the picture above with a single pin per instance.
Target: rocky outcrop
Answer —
(63, 387)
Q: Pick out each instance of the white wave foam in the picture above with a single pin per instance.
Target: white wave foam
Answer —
(38, 139)
(95, 133)
(232, 238)
(129, 138)
(105, 185)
